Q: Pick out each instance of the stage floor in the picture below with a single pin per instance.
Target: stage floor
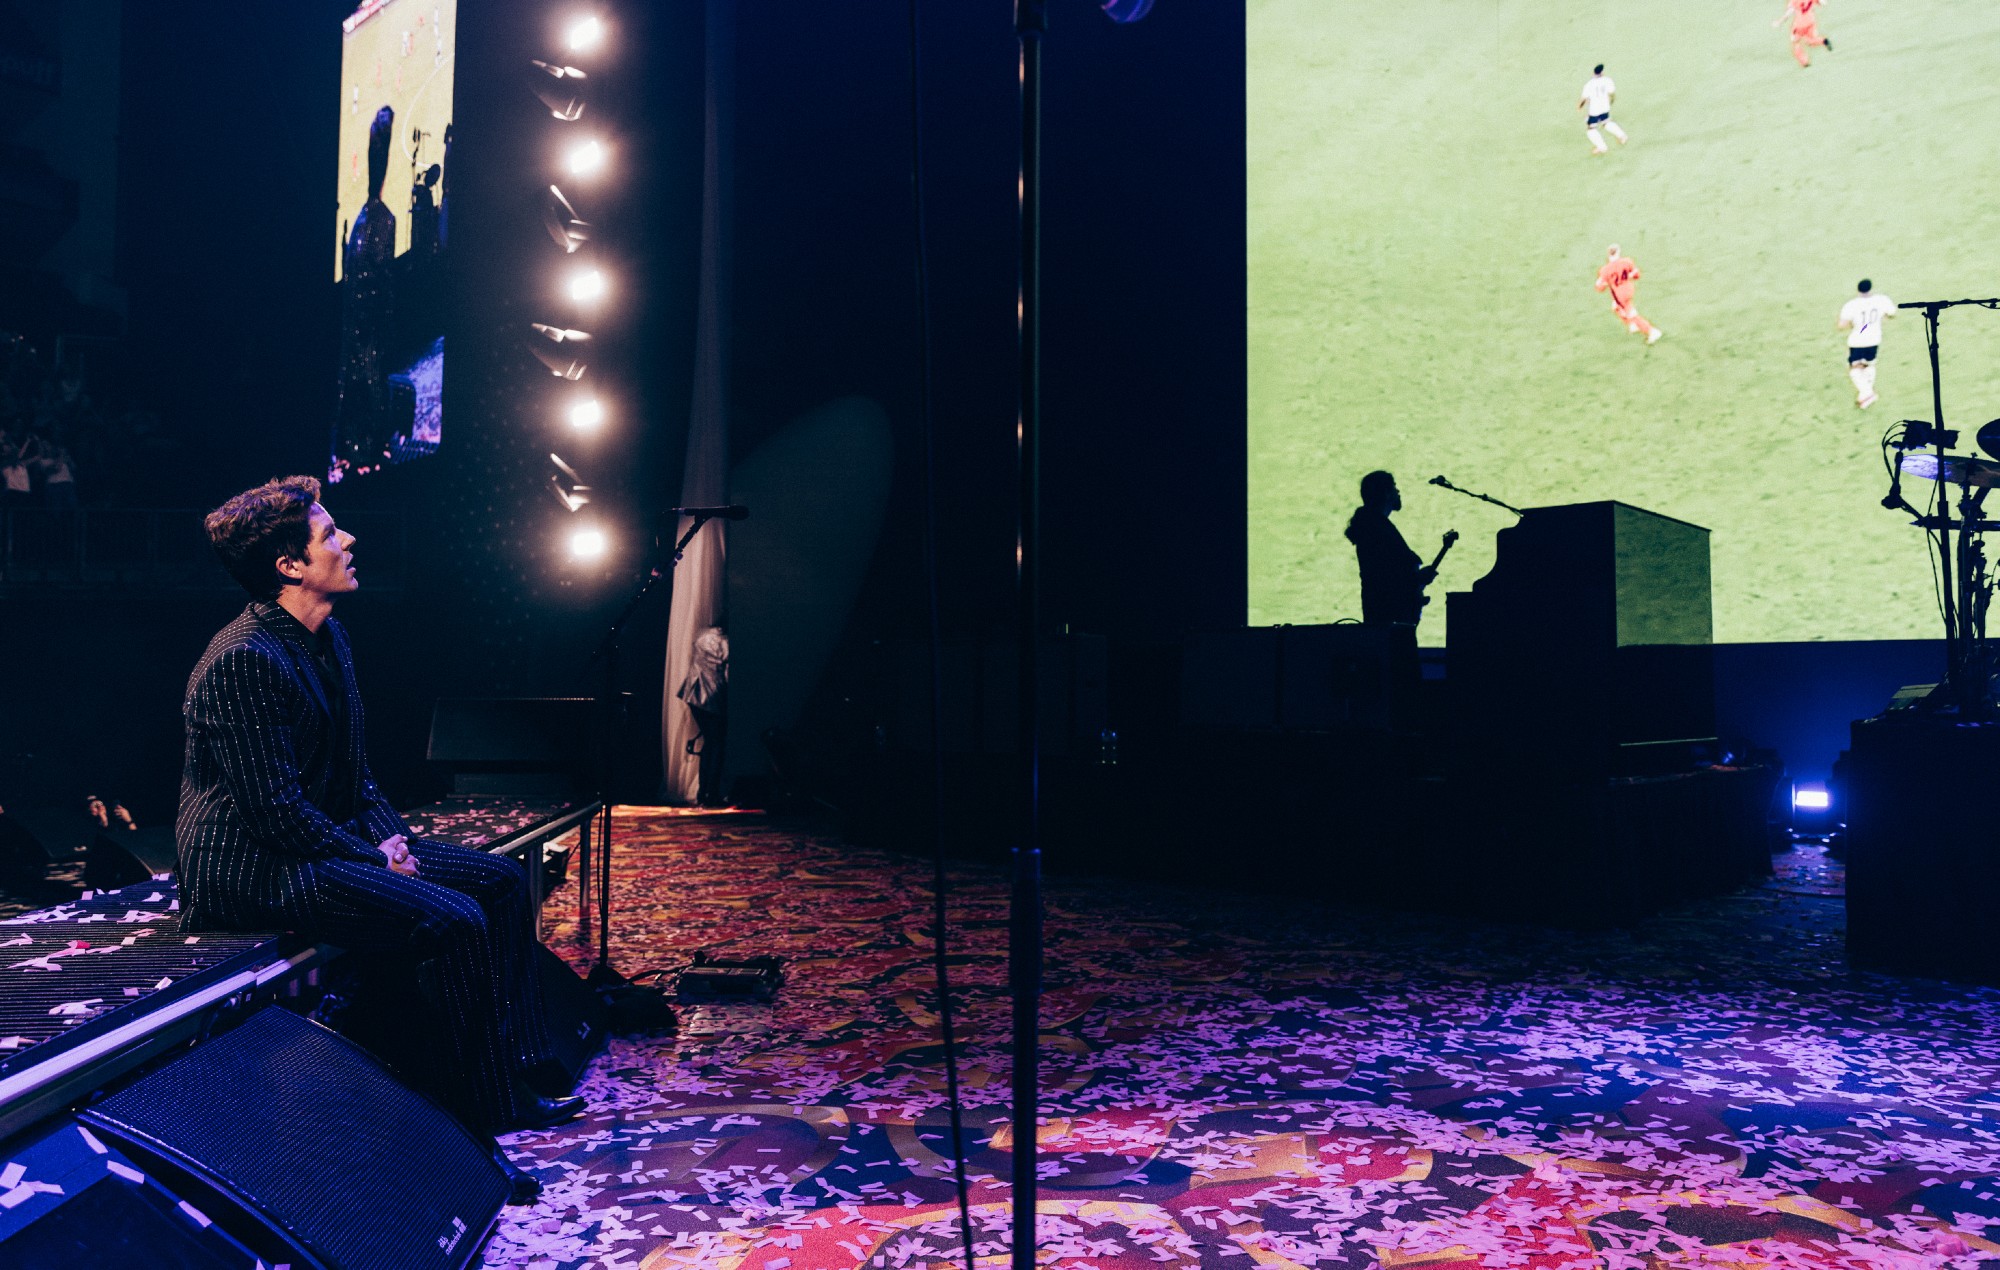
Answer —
(1241, 1081)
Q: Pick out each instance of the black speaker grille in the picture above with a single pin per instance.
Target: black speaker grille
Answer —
(114, 1224)
(301, 1125)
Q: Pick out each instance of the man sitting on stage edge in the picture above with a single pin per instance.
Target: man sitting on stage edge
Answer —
(281, 826)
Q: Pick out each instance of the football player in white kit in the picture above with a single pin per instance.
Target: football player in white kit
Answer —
(1862, 319)
(1596, 107)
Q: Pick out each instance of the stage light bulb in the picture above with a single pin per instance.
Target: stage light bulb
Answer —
(587, 158)
(586, 285)
(1811, 799)
(588, 544)
(585, 34)
(584, 416)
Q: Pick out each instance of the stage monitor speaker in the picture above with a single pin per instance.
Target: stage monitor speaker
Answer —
(579, 1024)
(526, 746)
(1230, 679)
(76, 1204)
(306, 1139)
(120, 857)
(1291, 678)
(23, 858)
(1910, 696)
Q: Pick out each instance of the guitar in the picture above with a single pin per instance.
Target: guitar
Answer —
(1450, 537)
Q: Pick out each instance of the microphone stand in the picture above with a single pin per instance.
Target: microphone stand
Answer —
(1966, 684)
(1894, 500)
(1024, 922)
(609, 712)
(1484, 498)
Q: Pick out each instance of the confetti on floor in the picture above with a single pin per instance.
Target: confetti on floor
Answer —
(1254, 1081)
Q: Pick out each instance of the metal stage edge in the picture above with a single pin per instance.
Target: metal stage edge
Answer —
(45, 1088)
(83, 1061)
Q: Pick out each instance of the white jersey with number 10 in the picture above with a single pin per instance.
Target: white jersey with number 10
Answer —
(1597, 94)
(1864, 313)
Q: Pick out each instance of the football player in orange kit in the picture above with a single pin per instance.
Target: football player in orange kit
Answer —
(1620, 276)
(1805, 28)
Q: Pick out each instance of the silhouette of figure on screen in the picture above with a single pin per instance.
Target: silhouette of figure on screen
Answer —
(368, 310)
(1393, 578)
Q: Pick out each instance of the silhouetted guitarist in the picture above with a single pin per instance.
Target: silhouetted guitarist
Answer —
(1393, 577)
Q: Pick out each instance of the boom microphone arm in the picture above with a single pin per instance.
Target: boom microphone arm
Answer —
(1484, 498)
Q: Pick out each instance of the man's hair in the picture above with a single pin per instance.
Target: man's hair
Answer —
(259, 527)
(1375, 489)
(1599, 69)
(1866, 286)
(379, 135)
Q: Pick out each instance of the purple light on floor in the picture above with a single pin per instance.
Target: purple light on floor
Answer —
(1807, 799)
(1127, 10)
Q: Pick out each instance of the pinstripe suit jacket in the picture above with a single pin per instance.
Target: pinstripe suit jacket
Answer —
(275, 779)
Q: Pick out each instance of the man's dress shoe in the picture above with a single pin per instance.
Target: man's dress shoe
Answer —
(546, 1113)
(522, 1187)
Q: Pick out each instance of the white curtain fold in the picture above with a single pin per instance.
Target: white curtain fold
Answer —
(700, 580)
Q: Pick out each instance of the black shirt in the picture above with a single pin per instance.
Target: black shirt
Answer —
(319, 645)
(1391, 586)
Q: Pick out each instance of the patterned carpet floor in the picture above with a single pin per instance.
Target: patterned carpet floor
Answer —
(1249, 1081)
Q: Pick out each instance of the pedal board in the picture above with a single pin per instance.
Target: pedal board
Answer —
(740, 980)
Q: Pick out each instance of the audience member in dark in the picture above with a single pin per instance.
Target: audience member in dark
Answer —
(16, 483)
(58, 475)
(107, 816)
(52, 430)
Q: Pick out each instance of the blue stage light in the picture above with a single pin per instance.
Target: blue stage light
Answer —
(1808, 798)
(1127, 10)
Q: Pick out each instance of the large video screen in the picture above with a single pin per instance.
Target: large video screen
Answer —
(1429, 219)
(393, 228)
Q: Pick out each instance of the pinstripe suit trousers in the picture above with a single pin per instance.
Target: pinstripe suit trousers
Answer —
(467, 913)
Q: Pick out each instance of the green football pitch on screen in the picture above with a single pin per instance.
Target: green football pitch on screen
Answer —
(1426, 222)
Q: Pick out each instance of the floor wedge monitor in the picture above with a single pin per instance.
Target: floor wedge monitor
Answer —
(287, 1131)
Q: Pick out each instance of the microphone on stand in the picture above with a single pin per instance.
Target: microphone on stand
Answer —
(1894, 500)
(702, 515)
(1484, 498)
